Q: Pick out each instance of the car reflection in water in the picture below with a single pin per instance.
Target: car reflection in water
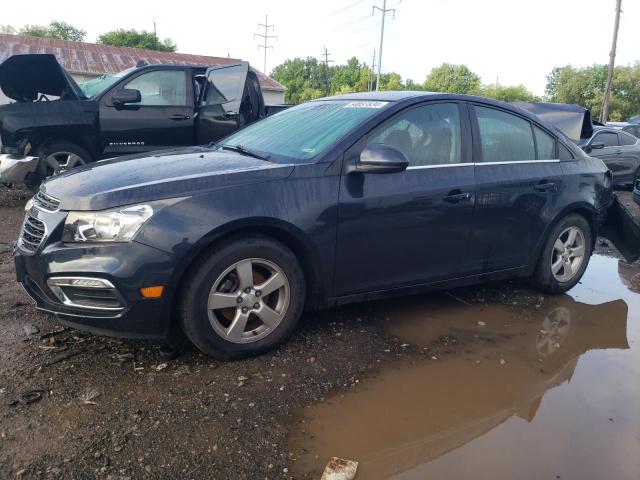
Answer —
(408, 416)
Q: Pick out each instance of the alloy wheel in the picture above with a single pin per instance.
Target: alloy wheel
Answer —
(59, 162)
(568, 254)
(248, 300)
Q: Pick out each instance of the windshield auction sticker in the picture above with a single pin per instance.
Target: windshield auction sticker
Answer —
(365, 104)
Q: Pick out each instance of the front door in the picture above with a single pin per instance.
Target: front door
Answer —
(412, 227)
(519, 182)
(163, 117)
(219, 111)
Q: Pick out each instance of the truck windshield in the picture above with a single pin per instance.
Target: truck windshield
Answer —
(303, 132)
(99, 84)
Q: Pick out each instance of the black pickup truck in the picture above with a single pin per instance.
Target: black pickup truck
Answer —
(55, 124)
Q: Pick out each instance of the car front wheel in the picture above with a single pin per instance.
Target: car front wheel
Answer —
(245, 298)
(565, 255)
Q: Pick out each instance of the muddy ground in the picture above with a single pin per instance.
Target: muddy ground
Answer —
(116, 409)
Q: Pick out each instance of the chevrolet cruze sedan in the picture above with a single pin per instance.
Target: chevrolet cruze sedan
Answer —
(338, 200)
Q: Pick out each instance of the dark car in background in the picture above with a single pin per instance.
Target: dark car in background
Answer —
(337, 200)
(619, 150)
(56, 124)
(632, 128)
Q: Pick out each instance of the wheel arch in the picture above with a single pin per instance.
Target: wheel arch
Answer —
(584, 209)
(284, 232)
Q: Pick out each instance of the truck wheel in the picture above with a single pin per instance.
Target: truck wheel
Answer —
(565, 255)
(58, 157)
(244, 299)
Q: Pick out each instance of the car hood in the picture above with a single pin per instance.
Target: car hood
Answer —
(24, 77)
(158, 175)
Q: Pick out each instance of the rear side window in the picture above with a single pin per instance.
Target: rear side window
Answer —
(504, 137)
(626, 139)
(610, 139)
(546, 144)
(564, 153)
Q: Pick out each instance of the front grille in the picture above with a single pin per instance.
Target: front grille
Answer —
(46, 202)
(33, 231)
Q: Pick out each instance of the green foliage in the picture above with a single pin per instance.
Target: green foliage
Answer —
(8, 30)
(56, 29)
(452, 79)
(307, 79)
(585, 87)
(507, 93)
(136, 39)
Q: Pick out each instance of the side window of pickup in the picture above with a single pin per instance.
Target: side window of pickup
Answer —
(161, 88)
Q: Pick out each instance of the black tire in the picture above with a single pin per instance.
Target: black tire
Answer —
(544, 277)
(193, 311)
(58, 149)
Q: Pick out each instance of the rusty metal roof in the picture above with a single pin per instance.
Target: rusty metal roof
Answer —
(91, 58)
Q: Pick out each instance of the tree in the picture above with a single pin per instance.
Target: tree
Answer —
(8, 30)
(56, 29)
(580, 86)
(508, 93)
(136, 39)
(452, 79)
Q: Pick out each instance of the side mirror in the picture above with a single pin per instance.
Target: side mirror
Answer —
(380, 158)
(595, 146)
(126, 95)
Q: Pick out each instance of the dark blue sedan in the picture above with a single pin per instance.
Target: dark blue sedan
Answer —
(337, 200)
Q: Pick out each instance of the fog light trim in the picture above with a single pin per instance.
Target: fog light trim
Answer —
(58, 285)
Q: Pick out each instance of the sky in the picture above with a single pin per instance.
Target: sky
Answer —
(509, 41)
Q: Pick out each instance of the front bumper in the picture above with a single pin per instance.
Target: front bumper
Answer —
(14, 169)
(126, 266)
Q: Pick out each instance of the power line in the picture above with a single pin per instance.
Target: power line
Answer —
(265, 39)
(371, 70)
(384, 11)
(340, 10)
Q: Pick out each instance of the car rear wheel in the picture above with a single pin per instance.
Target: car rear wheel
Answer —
(245, 298)
(565, 255)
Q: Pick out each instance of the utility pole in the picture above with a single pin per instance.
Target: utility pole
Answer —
(155, 34)
(265, 39)
(612, 57)
(373, 68)
(384, 11)
(326, 70)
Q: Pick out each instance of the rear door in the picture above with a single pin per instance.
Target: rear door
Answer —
(629, 153)
(162, 118)
(219, 110)
(611, 154)
(411, 227)
(518, 184)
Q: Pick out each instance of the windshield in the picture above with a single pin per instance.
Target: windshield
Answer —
(99, 84)
(303, 132)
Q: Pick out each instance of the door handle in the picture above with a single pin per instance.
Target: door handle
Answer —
(455, 196)
(545, 186)
(179, 116)
(618, 152)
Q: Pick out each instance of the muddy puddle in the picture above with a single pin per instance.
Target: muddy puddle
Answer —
(548, 390)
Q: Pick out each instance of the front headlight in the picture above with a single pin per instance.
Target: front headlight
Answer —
(117, 225)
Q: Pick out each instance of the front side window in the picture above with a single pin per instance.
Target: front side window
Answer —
(610, 139)
(504, 137)
(161, 88)
(427, 135)
(303, 132)
(546, 145)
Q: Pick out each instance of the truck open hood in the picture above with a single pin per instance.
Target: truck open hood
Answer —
(572, 120)
(24, 77)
